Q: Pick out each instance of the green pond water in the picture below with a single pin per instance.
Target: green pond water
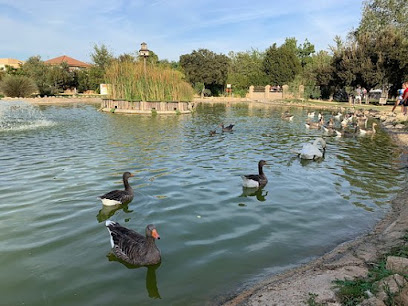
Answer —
(216, 237)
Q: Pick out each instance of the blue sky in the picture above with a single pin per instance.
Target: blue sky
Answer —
(52, 28)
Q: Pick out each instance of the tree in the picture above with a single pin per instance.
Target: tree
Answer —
(246, 69)
(380, 14)
(37, 70)
(281, 64)
(206, 67)
(101, 58)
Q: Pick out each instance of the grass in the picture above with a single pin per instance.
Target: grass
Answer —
(353, 292)
(130, 82)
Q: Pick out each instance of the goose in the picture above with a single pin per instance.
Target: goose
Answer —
(287, 116)
(311, 114)
(319, 115)
(314, 125)
(213, 132)
(133, 247)
(255, 180)
(312, 151)
(226, 128)
(367, 132)
(346, 133)
(338, 116)
(117, 197)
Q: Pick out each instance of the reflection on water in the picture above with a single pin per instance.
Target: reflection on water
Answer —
(189, 185)
(259, 193)
(108, 211)
(151, 280)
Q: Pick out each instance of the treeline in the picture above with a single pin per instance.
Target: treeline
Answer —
(375, 55)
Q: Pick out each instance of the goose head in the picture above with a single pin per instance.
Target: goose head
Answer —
(152, 232)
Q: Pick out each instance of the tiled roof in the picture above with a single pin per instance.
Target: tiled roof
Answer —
(10, 61)
(69, 60)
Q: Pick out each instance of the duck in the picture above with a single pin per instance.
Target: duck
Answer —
(213, 132)
(117, 197)
(226, 128)
(367, 132)
(132, 247)
(312, 151)
(255, 180)
(338, 116)
(311, 114)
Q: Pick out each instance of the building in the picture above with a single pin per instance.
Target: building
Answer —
(15, 63)
(72, 63)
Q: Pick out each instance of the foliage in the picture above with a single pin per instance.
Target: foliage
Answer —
(206, 67)
(37, 70)
(371, 61)
(17, 86)
(303, 52)
(380, 14)
(311, 301)
(61, 78)
(281, 64)
(101, 58)
(129, 82)
(246, 70)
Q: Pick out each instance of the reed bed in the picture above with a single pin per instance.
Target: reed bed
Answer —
(129, 82)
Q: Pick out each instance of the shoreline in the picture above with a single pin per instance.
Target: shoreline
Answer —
(350, 259)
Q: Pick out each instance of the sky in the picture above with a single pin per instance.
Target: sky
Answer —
(51, 28)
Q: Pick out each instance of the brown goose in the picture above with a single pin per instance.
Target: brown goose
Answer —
(133, 247)
(117, 197)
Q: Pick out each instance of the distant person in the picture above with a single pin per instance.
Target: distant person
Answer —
(399, 100)
(365, 98)
(405, 98)
(358, 94)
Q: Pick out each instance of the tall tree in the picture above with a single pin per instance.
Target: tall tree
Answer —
(206, 67)
(380, 14)
(37, 70)
(281, 64)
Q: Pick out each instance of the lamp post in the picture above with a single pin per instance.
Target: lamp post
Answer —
(144, 52)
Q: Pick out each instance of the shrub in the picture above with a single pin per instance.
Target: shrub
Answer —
(17, 86)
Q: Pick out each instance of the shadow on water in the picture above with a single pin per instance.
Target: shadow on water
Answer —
(108, 211)
(151, 280)
(254, 192)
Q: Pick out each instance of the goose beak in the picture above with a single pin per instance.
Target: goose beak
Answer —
(155, 234)
(132, 175)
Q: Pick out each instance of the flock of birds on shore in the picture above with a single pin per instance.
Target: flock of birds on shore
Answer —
(141, 250)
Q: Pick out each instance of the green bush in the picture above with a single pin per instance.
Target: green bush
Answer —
(17, 86)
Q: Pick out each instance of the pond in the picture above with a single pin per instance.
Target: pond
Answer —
(216, 237)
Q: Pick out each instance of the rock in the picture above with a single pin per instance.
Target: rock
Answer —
(372, 302)
(402, 298)
(397, 264)
(390, 285)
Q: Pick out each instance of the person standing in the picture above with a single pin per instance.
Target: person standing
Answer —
(399, 100)
(405, 98)
(358, 94)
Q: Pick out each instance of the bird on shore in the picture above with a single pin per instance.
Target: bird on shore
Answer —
(226, 128)
(133, 247)
(255, 180)
(117, 197)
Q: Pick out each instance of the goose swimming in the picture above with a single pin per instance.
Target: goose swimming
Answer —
(255, 180)
(117, 197)
(133, 247)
